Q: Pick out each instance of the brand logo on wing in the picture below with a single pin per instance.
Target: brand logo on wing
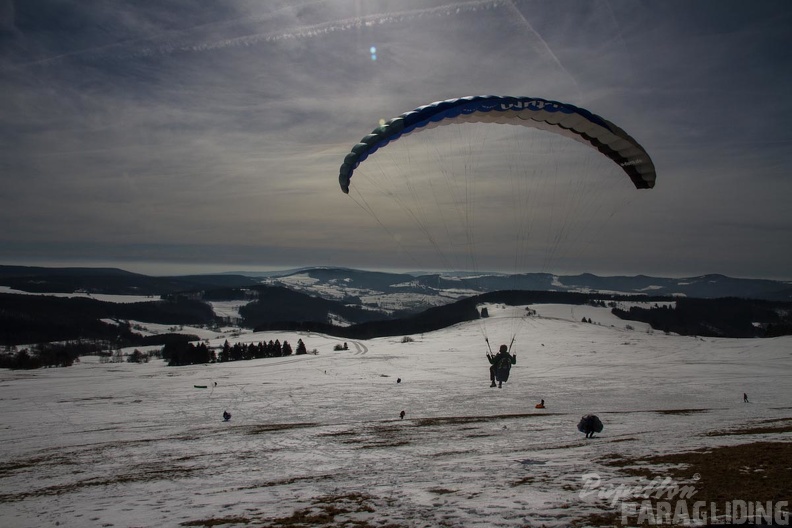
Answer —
(547, 106)
(632, 162)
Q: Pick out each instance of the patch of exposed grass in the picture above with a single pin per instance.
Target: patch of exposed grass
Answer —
(286, 482)
(628, 439)
(664, 411)
(376, 437)
(774, 420)
(381, 444)
(441, 491)
(760, 471)
(148, 473)
(91, 398)
(451, 453)
(456, 420)
(339, 433)
(268, 428)
(756, 472)
(337, 510)
(36, 461)
(767, 429)
(681, 411)
(598, 519)
(523, 481)
(217, 521)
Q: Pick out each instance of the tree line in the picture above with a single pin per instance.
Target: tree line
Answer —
(729, 317)
(186, 353)
(48, 354)
(43, 318)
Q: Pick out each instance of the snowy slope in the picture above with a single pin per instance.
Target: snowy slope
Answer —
(138, 445)
(96, 296)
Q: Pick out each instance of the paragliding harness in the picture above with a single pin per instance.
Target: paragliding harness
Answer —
(503, 363)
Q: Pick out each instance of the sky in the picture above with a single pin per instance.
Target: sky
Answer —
(185, 136)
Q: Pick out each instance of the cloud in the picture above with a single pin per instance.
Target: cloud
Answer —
(174, 126)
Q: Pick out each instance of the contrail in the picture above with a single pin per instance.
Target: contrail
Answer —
(379, 19)
(170, 44)
(541, 45)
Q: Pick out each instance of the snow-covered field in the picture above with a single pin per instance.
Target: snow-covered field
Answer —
(96, 296)
(372, 298)
(102, 444)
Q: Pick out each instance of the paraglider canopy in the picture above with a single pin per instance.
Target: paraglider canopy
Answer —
(560, 118)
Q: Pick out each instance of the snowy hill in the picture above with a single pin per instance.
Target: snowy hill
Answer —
(386, 291)
(110, 281)
(393, 291)
(317, 439)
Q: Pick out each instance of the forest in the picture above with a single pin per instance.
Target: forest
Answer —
(42, 330)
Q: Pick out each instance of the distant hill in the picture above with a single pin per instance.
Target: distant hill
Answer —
(111, 281)
(401, 291)
(29, 319)
(274, 304)
(390, 292)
